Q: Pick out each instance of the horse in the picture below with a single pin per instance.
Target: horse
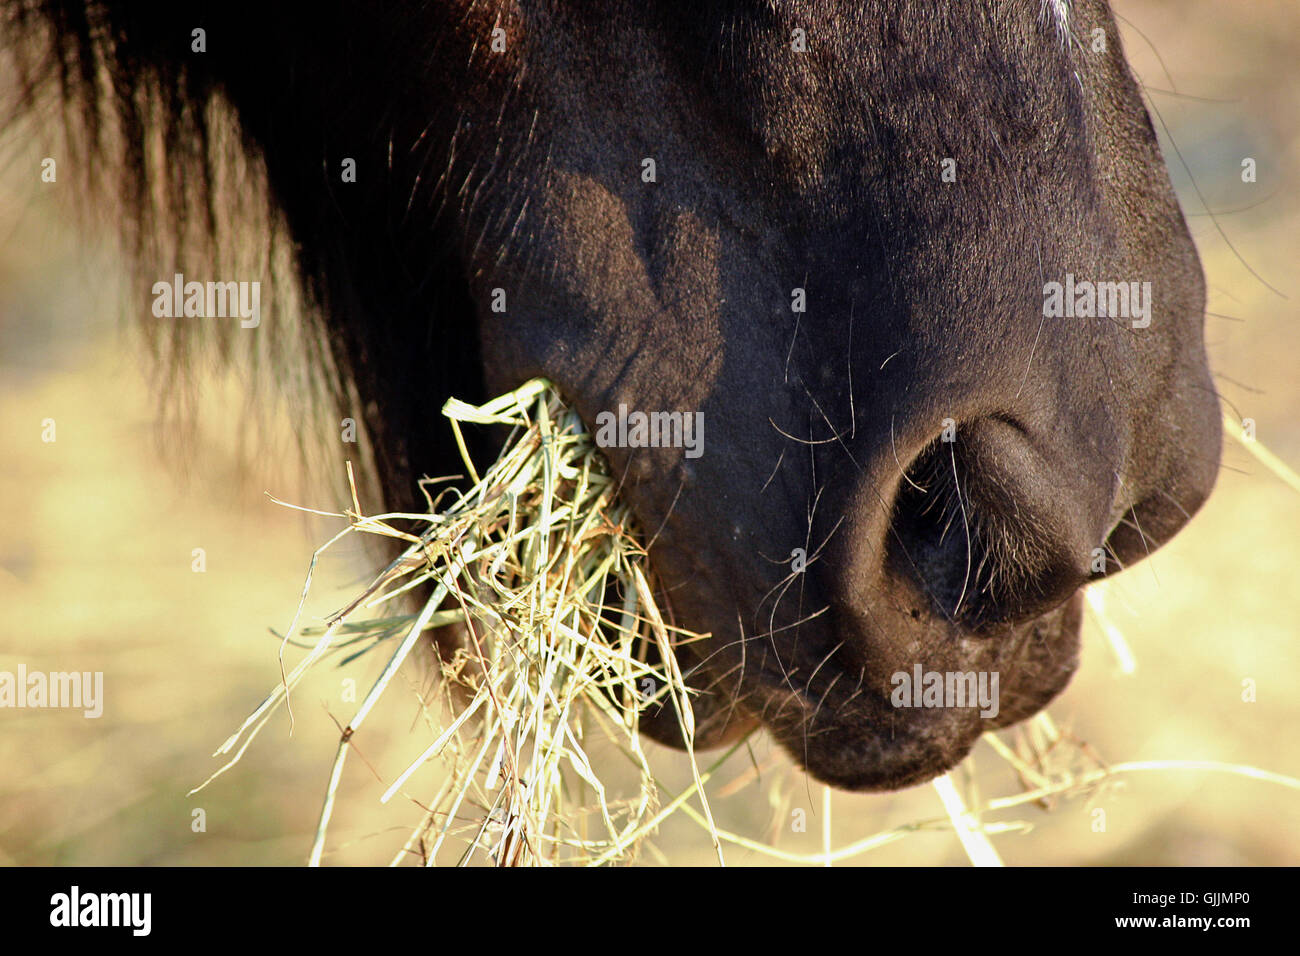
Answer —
(916, 271)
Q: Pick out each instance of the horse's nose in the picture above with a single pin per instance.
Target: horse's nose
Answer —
(986, 523)
(993, 520)
(995, 527)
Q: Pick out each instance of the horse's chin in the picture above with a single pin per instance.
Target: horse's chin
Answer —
(863, 741)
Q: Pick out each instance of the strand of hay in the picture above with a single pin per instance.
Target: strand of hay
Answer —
(1266, 457)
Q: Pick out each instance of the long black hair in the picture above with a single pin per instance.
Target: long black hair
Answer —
(219, 135)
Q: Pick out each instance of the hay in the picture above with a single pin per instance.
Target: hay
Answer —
(539, 564)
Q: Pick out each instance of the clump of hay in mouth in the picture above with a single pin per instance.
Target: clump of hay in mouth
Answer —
(539, 565)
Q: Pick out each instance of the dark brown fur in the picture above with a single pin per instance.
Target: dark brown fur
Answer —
(521, 171)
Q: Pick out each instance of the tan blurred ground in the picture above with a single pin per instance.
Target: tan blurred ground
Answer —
(97, 529)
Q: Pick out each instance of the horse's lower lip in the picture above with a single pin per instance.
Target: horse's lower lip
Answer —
(876, 746)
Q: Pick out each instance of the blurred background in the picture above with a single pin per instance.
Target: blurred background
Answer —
(98, 529)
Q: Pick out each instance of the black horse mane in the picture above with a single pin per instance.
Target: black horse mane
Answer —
(230, 158)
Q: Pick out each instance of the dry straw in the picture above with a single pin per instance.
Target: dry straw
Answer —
(539, 567)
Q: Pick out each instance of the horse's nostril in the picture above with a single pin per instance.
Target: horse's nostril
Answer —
(973, 529)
